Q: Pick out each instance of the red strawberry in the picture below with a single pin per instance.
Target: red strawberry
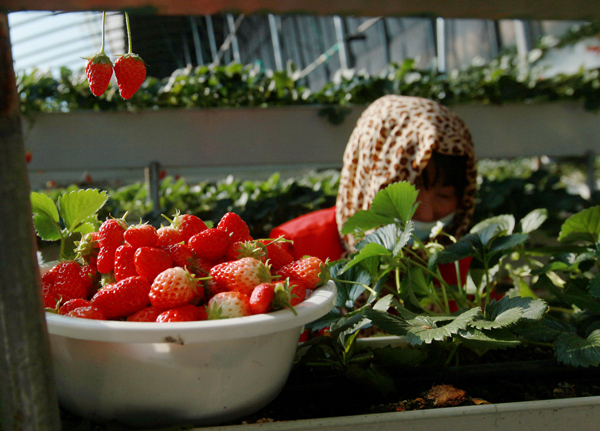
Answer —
(125, 262)
(69, 283)
(188, 225)
(147, 314)
(311, 270)
(87, 248)
(228, 304)
(168, 235)
(110, 237)
(48, 279)
(185, 313)
(71, 304)
(214, 287)
(88, 312)
(262, 298)
(295, 288)
(210, 244)
(51, 301)
(241, 275)
(99, 70)
(174, 287)
(277, 256)
(143, 235)
(130, 71)
(181, 254)
(122, 298)
(151, 261)
(90, 276)
(234, 226)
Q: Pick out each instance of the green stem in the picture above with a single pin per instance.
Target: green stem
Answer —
(356, 282)
(128, 31)
(103, 31)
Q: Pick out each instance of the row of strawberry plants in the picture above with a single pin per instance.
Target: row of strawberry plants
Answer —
(511, 188)
(503, 79)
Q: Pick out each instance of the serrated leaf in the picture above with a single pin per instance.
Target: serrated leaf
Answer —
(571, 349)
(546, 330)
(487, 233)
(533, 220)
(347, 293)
(453, 253)
(45, 228)
(387, 322)
(42, 204)
(364, 220)
(369, 250)
(77, 206)
(396, 201)
(502, 320)
(504, 222)
(485, 340)
(383, 304)
(425, 330)
(506, 242)
(386, 236)
(583, 226)
(594, 286)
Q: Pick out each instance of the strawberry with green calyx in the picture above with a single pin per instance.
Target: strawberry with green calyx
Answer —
(168, 235)
(240, 249)
(226, 305)
(174, 287)
(141, 235)
(87, 248)
(261, 300)
(235, 226)
(310, 269)
(130, 70)
(277, 255)
(283, 296)
(241, 275)
(99, 68)
(187, 225)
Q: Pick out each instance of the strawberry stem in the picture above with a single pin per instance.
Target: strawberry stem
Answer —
(103, 32)
(128, 31)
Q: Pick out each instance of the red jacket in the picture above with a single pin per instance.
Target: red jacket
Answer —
(314, 234)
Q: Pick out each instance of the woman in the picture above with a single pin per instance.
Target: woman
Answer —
(397, 138)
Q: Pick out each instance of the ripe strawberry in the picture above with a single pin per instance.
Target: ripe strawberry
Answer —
(277, 256)
(168, 235)
(262, 298)
(283, 296)
(51, 301)
(122, 298)
(188, 225)
(234, 226)
(143, 235)
(89, 274)
(125, 262)
(69, 283)
(88, 312)
(174, 287)
(48, 279)
(210, 244)
(181, 254)
(110, 237)
(71, 304)
(227, 305)
(295, 288)
(130, 71)
(213, 287)
(241, 275)
(311, 270)
(151, 261)
(99, 70)
(87, 248)
(147, 314)
(185, 313)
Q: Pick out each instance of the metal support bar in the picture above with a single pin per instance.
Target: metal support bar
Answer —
(522, 41)
(28, 398)
(233, 28)
(341, 41)
(197, 42)
(211, 38)
(440, 31)
(274, 27)
(385, 41)
(152, 176)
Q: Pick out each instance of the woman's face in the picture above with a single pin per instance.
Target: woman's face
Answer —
(436, 201)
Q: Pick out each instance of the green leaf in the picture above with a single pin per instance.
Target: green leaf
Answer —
(387, 322)
(571, 349)
(533, 220)
(46, 219)
(391, 237)
(424, 329)
(485, 340)
(505, 222)
(546, 330)
(77, 206)
(348, 293)
(507, 242)
(583, 226)
(363, 221)
(370, 250)
(486, 234)
(454, 252)
(595, 286)
(396, 201)
(508, 311)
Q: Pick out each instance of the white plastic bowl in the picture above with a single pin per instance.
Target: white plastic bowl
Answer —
(158, 374)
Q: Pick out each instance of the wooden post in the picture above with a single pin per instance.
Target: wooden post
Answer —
(27, 391)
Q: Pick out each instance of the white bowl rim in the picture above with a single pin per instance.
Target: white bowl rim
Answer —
(320, 302)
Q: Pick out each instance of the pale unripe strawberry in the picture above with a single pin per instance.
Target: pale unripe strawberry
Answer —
(226, 305)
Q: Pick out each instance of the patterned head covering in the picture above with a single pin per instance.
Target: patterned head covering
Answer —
(393, 141)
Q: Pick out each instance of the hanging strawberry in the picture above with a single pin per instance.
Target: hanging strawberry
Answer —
(130, 69)
(99, 68)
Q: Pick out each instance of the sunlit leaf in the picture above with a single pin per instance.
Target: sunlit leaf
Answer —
(583, 226)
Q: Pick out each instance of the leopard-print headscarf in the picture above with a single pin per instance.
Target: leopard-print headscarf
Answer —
(393, 141)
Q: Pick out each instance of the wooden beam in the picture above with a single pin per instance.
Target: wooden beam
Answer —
(28, 398)
(482, 9)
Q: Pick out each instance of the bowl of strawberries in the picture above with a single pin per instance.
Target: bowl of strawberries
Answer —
(182, 324)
